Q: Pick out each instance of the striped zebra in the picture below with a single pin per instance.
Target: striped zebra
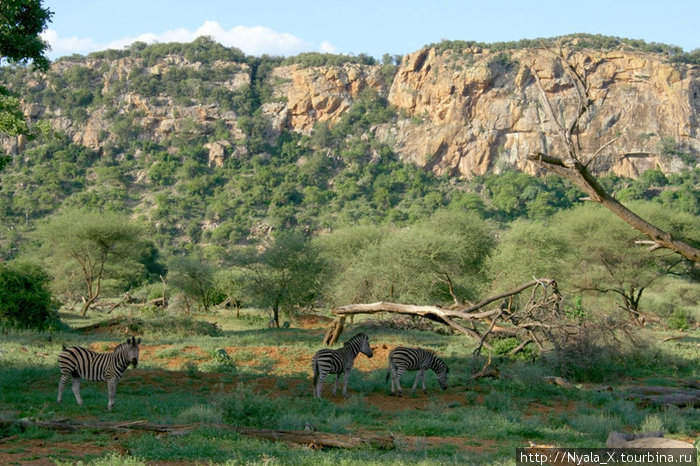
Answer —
(338, 361)
(402, 359)
(77, 362)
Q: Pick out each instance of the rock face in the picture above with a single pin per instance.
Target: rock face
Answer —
(461, 112)
(477, 110)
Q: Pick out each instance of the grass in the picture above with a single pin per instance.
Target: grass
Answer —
(264, 380)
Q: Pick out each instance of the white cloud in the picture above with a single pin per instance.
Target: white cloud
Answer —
(61, 46)
(327, 47)
(256, 40)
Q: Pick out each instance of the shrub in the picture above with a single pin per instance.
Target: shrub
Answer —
(25, 299)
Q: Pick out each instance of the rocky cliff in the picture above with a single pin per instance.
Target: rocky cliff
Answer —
(461, 112)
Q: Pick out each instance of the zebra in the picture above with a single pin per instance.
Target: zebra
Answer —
(77, 362)
(338, 361)
(402, 359)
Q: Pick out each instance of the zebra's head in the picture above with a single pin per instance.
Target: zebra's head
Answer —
(132, 347)
(363, 344)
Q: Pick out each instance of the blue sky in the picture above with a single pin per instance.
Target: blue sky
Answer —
(359, 26)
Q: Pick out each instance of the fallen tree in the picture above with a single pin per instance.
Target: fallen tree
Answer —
(308, 438)
(531, 321)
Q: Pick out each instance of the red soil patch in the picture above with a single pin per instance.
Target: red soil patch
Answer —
(41, 452)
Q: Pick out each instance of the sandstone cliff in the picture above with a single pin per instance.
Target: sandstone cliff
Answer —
(461, 112)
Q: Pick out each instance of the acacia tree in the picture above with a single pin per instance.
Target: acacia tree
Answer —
(440, 259)
(286, 273)
(194, 277)
(608, 262)
(84, 244)
(573, 165)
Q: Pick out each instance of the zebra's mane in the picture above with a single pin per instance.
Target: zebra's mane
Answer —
(359, 336)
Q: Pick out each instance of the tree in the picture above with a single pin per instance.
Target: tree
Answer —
(25, 298)
(574, 166)
(21, 22)
(527, 249)
(86, 244)
(195, 278)
(608, 261)
(440, 259)
(286, 273)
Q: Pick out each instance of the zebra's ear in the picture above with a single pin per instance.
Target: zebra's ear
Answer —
(138, 340)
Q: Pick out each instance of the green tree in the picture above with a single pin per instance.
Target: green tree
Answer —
(605, 255)
(89, 245)
(21, 22)
(287, 273)
(438, 260)
(194, 277)
(25, 299)
(527, 249)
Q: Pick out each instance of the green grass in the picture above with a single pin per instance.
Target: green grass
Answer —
(494, 416)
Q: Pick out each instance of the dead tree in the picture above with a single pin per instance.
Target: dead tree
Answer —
(531, 322)
(574, 166)
(310, 438)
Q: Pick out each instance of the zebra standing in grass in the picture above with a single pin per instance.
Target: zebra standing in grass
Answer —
(77, 362)
(403, 359)
(338, 361)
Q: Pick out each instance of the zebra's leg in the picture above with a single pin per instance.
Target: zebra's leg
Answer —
(76, 390)
(423, 380)
(415, 383)
(61, 385)
(335, 385)
(319, 385)
(345, 384)
(111, 392)
(397, 380)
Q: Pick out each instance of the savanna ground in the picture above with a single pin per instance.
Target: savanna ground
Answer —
(266, 383)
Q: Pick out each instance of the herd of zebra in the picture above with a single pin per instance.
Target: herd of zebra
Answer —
(78, 363)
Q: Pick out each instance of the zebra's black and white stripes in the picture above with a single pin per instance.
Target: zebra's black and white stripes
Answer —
(402, 359)
(338, 361)
(77, 362)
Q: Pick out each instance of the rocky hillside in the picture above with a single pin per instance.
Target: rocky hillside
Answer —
(461, 111)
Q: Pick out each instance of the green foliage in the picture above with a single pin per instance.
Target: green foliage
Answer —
(310, 59)
(287, 273)
(25, 299)
(427, 263)
(195, 278)
(90, 246)
(575, 41)
(525, 250)
(21, 23)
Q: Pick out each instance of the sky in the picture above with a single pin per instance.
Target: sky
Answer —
(376, 27)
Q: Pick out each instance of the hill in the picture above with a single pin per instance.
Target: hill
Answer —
(214, 147)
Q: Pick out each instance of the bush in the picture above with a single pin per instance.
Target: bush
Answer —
(25, 299)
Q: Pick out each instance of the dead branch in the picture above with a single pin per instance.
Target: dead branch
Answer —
(573, 168)
(487, 371)
(310, 438)
(663, 395)
(556, 380)
(540, 315)
(334, 332)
